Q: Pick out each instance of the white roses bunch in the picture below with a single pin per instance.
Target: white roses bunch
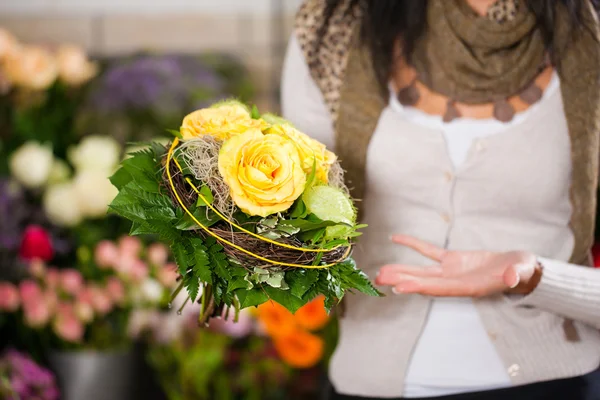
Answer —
(68, 201)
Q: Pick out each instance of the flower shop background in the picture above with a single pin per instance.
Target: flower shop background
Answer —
(85, 311)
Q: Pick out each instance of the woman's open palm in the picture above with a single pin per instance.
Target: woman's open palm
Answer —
(457, 273)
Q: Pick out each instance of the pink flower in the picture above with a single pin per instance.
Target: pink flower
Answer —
(101, 300)
(106, 254)
(84, 309)
(167, 275)
(37, 268)
(158, 254)
(139, 271)
(37, 313)
(30, 291)
(9, 297)
(131, 246)
(51, 299)
(116, 290)
(71, 281)
(36, 244)
(52, 278)
(66, 325)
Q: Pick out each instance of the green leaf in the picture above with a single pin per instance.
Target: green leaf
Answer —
(300, 280)
(299, 209)
(312, 236)
(206, 197)
(202, 214)
(175, 133)
(251, 298)
(180, 254)
(141, 228)
(192, 284)
(201, 260)
(254, 113)
(335, 243)
(121, 178)
(220, 265)
(284, 297)
(306, 225)
(239, 282)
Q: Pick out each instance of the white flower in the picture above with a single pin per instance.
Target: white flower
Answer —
(61, 205)
(59, 172)
(94, 193)
(96, 153)
(30, 164)
(152, 291)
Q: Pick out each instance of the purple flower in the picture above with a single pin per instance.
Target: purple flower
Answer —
(164, 84)
(26, 378)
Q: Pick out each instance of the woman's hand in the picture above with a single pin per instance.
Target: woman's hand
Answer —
(461, 273)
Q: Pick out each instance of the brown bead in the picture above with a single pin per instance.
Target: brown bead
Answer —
(409, 95)
(532, 94)
(451, 112)
(503, 111)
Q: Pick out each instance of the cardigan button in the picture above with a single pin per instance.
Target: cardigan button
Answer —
(514, 369)
(446, 217)
(449, 176)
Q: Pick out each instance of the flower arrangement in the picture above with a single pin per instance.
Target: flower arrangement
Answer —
(22, 378)
(253, 210)
(90, 306)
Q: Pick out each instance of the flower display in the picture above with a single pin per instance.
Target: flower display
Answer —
(25, 379)
(69, 305)
(31, 67)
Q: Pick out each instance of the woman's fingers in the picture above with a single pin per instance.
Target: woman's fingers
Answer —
(427, 249)
(438, 287)
(389, 275)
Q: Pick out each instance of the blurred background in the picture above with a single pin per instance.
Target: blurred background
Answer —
(86, 312)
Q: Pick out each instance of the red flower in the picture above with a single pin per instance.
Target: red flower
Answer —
(596, 255)
(36, 244)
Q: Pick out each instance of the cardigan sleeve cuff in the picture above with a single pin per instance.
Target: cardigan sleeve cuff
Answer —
(568, 290)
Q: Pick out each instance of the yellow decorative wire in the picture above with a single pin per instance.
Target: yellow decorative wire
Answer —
(225, 241)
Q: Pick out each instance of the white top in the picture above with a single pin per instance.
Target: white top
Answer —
(502, 196)
(454, 353)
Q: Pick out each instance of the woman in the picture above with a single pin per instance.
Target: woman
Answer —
(471, 128)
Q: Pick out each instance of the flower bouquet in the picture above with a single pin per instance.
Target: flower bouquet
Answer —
(252, 208)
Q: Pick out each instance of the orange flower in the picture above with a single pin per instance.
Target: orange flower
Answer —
(276, 319)
(313, 316)
(300, 349)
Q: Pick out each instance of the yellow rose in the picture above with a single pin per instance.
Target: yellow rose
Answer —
(31, 67)
(311, 151)
(263, 172)
(222, 122)
(74, 68)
